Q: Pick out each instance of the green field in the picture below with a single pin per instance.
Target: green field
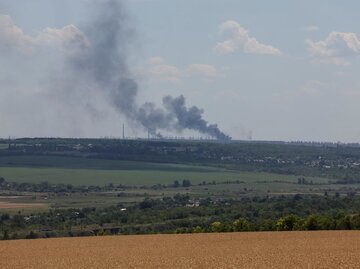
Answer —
(81, 171)
(37, 161)
(4, 146)
(129, 177)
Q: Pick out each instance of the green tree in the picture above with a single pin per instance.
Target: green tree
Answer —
(4, 217)
(217, 227)
(326, 223)
(311, 223)
(288, 223)
(343, 223)
(197, 229)
(32, 235)
(186, 183)
(241, 225)
(267, 225)
(18, 221)
(6, 235)
(355, 222)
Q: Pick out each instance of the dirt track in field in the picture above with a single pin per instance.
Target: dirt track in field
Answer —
(230, 250)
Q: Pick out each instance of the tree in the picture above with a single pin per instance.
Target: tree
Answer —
(176, 183)
(6, 235)
(241, 225)
(355, 222)
(288, 223)
(326, 223)
(18, 221)
(186, 183)
(343, 223)
(216, 227)
(146, 203)
(311, 223)
(267, 225)
(4, 217)
(32, 235)
(197, 229)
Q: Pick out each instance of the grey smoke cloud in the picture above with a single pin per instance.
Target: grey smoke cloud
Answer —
(104, 63)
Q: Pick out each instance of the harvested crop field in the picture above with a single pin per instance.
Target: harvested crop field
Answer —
(7, 205)
(230, 250)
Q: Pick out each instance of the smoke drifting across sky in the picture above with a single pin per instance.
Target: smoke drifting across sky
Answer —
(94, 65)
(105, 62)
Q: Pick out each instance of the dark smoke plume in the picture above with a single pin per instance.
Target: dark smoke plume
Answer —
(104, 63)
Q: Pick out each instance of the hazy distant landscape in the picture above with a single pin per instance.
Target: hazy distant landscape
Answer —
(54, 187)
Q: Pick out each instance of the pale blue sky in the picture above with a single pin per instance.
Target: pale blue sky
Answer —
(299, 81)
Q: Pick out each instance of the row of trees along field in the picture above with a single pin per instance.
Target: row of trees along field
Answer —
(287, 223)
(186, 214)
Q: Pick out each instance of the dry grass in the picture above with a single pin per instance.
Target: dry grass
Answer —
(7, 205)
(231, 250)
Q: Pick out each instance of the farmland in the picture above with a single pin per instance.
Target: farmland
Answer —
(3, 146)
(227, 250)
(134, 177)
(82, 187)
(140, 176)
(80, 171)
(7, 205)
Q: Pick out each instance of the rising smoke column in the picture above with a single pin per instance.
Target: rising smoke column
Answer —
(190, 118)
(104, 63)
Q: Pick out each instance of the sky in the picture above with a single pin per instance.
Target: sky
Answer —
(261, 70)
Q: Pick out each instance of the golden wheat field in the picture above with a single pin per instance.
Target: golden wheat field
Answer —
(230, 250)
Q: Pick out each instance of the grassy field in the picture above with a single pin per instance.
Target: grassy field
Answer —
(81, 171)
(4, 146)
(130, 196)
(39, 161)
(134, 177)
(231, 250)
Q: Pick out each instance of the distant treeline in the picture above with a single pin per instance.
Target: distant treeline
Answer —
(45, 187)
